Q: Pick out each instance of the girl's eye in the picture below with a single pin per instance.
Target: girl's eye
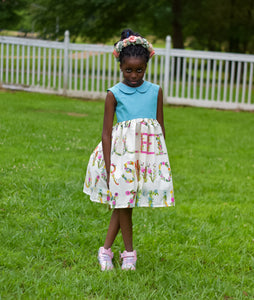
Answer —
(139, 70)
(128, 70)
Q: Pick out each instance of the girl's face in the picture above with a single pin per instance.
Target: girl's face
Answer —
(133, 69)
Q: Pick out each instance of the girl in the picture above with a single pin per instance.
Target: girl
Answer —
(130, 167)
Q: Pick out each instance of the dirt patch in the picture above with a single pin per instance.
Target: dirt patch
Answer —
(72, 114)
(76, 114)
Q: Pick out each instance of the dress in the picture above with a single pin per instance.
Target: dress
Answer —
(140, 174)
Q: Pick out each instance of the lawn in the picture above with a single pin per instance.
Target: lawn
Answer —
(50, 231)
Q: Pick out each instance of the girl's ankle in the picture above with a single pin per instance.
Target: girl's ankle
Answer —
(129, 250)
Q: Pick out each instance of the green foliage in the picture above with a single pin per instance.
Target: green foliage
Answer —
(221, 25)
(97, 20)
(51, 231)
(207, 24)
(9, 13)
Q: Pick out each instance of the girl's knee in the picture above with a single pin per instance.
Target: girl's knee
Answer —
(125, 211)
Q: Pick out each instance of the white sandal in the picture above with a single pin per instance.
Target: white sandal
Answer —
(105, 258)
(129, 260)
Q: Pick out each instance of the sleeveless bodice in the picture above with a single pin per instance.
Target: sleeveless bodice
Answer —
(135, 102)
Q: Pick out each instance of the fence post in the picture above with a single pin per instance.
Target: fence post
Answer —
(166, 71)
(66, 61)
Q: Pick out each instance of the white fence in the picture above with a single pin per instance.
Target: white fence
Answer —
(197, 78)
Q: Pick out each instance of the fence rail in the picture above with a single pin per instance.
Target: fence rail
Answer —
(197, 78)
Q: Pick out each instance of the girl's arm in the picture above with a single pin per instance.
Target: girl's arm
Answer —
(160, 111)
(109, 112)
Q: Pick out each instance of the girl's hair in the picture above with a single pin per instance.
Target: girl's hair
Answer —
(132, 50)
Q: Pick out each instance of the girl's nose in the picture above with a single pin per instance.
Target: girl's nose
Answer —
(133, 75)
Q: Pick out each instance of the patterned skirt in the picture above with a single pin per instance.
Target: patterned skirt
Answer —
(140, 174)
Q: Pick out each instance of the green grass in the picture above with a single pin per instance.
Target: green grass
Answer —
(51, 231)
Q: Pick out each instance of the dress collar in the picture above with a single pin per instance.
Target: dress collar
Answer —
(131, 90)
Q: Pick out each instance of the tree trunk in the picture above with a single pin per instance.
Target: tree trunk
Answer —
(233, 38)
(177, 35)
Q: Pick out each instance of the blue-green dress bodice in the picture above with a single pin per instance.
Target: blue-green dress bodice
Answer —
(135, 102)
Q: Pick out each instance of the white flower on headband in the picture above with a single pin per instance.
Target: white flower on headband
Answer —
(132, 40)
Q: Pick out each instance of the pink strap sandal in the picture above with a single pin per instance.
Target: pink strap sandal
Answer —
(129, 260)
(105, 258)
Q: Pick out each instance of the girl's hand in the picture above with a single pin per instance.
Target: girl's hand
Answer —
(160, 118)
(108, 177)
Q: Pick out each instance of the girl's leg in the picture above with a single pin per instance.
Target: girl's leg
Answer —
(113, 229)
(129, 256)
(121, 218)
(125, 216)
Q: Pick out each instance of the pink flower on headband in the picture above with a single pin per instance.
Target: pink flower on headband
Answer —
(152, 53)
(132, 39)
(116, 54)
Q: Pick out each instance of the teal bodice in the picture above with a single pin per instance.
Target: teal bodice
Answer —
(135, 102)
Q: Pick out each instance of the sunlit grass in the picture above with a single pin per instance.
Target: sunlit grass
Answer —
(50, 231)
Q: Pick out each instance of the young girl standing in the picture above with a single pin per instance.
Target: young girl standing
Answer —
(130, 167)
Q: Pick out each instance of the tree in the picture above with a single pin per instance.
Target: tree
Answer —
(177, 30)
(9, 13)
(240, 25)
(202, 24)
(96, 19)
(101, 19)
(220, 25)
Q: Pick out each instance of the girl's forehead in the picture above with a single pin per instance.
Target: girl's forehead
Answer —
(133, 60)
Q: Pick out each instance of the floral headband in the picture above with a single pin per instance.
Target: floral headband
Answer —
(132, 40)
